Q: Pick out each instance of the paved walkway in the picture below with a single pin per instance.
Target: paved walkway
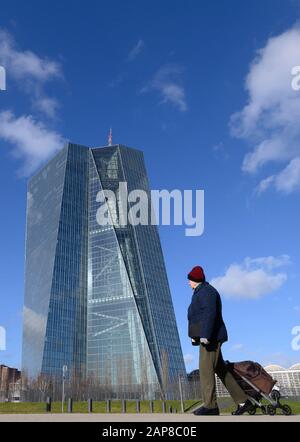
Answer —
(155, 418)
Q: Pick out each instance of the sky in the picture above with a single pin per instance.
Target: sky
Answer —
(204, 89)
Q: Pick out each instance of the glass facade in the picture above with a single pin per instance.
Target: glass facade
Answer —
(54, 331)
(44, 199)
(97, 297)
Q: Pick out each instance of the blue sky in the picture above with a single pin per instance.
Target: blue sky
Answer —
(204, 89)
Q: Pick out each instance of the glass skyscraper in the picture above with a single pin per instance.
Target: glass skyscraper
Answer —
(97, 297)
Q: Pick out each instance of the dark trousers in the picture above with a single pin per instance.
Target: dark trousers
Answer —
(211, 363)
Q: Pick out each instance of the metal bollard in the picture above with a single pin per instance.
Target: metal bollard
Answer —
(123, 406)
(90, 405)
(70, 405)
(108, 406)
(164, 407)
(138, 406)
(48, 404)
(151, 405)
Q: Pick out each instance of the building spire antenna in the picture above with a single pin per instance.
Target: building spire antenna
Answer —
(110, 138)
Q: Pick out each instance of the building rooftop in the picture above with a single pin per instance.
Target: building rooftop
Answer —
(295, 367)
(274, 367)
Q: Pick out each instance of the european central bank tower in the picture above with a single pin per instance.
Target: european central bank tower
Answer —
(97, 297)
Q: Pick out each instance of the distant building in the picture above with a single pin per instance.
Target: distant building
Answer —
(288, 380)
(8, 376)
(194, 376)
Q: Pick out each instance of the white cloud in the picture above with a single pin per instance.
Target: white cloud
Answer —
(270, 120)
(288, 179)
(31, 140)
(166, 82)
(136, 50)
(30, 71)
(237, 347)
(189, 359)
(265, 184)
(47, 105)
(24, 64)
(270, 262)
(253, 278)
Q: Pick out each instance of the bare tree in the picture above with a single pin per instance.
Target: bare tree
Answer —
(165, 373)
(144, 376)
(107, 379)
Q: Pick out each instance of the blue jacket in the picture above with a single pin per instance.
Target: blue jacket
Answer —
(205, 314)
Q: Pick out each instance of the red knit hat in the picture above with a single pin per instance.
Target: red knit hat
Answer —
(197, 274)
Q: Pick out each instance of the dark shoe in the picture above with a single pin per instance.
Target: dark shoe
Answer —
(202, 411)
(248, 406)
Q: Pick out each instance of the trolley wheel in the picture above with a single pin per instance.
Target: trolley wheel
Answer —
(286, 410)
(252, 411)
(271, 410)
(275, 395)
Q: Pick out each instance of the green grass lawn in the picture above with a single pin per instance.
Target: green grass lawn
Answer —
(98, 407)
(226, 406)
